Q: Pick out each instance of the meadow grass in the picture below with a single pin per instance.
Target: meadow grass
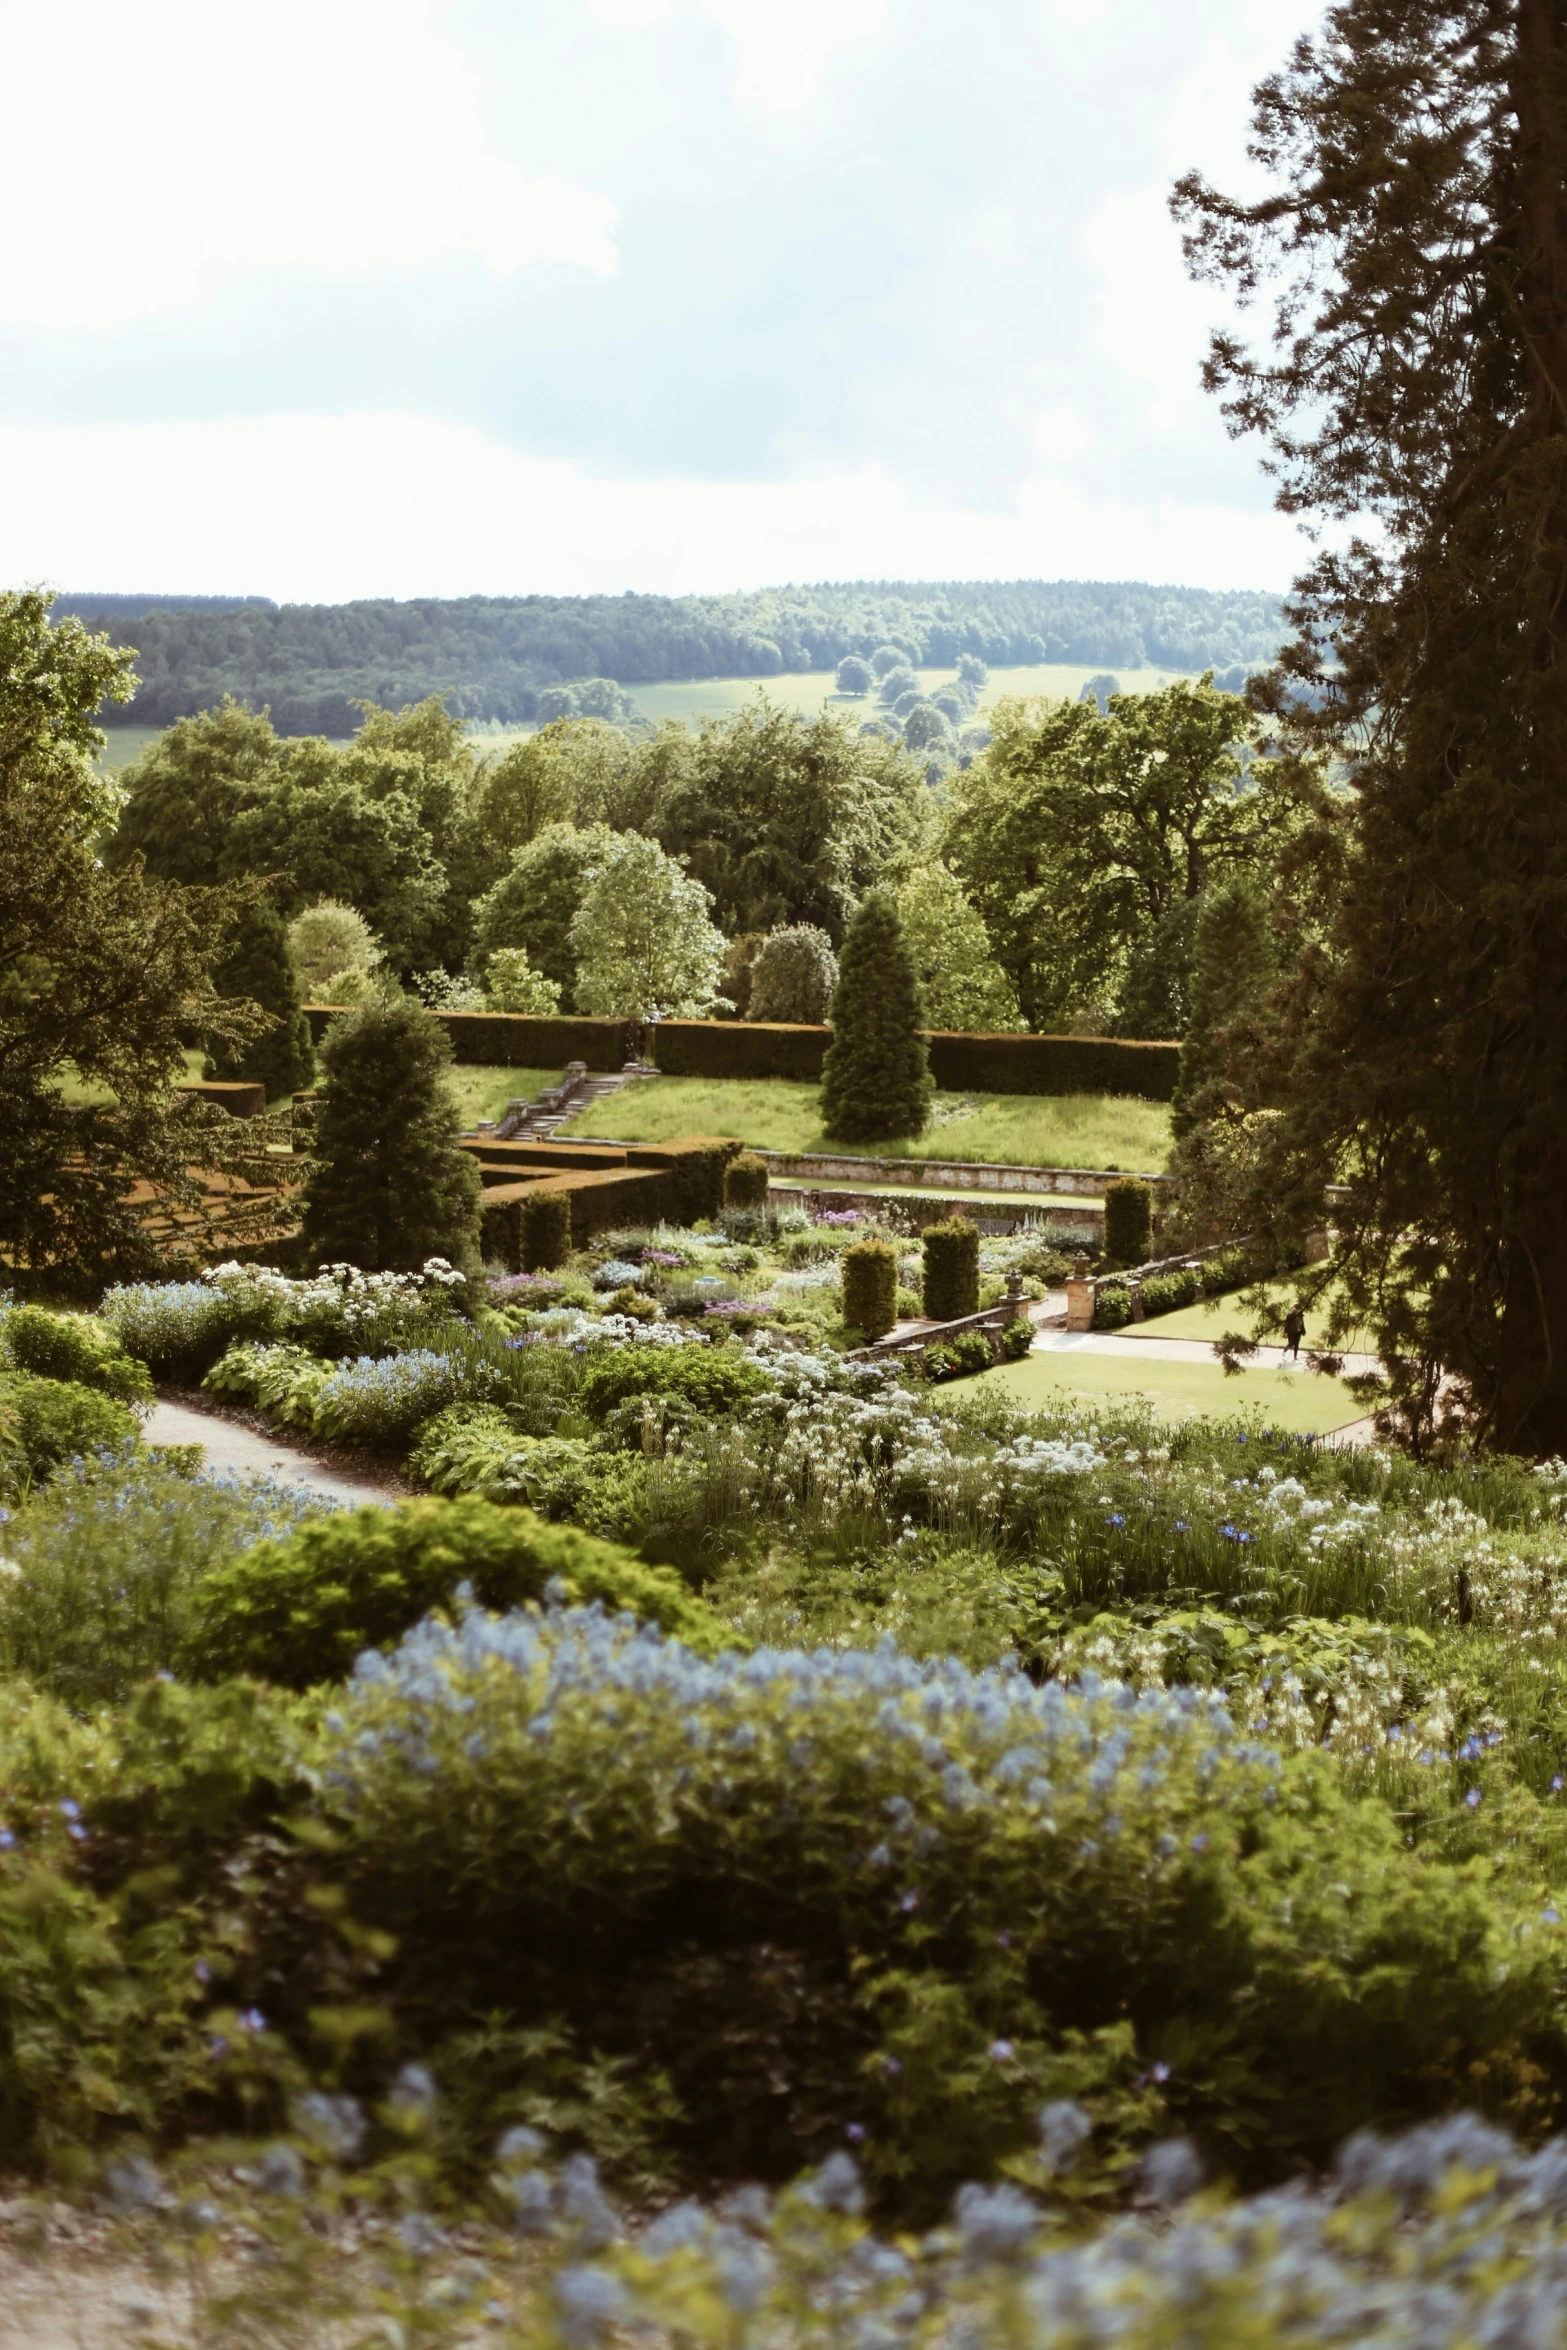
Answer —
(776, 1113)
(482, 1090)
(1302, 1402)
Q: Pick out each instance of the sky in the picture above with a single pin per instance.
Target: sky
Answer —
(346, 298)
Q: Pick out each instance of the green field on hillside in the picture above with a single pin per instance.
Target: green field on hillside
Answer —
(1301, 1401)
(775, 1113)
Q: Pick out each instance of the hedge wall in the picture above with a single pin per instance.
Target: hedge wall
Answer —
(508, 1040)
(672, 1182)
(960, 1062)
(739, 1048)
(964, 1063)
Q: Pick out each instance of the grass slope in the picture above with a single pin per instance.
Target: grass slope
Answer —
(775, 1113)
(482, 1090)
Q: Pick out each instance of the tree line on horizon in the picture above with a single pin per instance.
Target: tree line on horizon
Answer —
(498, 658)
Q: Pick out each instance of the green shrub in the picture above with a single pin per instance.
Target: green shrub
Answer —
(960, 1357)
(1112, 1305)
(746, 1181)
(1128, 1221)
(1229, 1268)
(870, 1287)
(951, 1269)
(1166, 1293)
(179, 1328)
(301, 1610)
(59, 1420)
(713, 1380)
(546, 1231)
(1016, 1339)
(74, 1346)
(107, 1565)
(876, 1082)
(845, 1887)
(389, 1186)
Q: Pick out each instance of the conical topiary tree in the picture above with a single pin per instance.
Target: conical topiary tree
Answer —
(259, 965)
(391, 1187)
(876, 1083)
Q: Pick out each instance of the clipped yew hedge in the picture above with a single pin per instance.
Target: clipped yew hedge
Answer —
(960, 1061)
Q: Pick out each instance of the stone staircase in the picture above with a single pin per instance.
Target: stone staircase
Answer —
(536, 1121)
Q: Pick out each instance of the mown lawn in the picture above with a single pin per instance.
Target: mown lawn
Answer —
(1023, 1130)
(1215, 1315)
(1300, 1401)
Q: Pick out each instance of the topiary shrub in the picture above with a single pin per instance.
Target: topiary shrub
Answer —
(1128, 1221)
(390, 1186)
(951, 1287)
(57, 1420)
(1016, 1340)
(870, 1287)
(1112, 1305)
(300, 1611)
(746, 1181)
(876, 1084)
(546, 1231)
(74, 1346)
(258, 964)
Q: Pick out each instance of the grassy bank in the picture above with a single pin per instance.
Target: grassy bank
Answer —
(1022, 1130)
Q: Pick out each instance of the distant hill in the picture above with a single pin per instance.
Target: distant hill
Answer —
(494, 654)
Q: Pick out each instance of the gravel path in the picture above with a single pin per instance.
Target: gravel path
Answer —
(226, 1444)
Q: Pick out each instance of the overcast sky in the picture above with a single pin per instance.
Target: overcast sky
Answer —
(398, 297)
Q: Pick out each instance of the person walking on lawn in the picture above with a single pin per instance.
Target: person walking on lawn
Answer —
(1294, 1331)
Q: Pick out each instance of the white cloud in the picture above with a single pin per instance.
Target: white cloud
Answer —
(784, 57)
(153, 154)
(324, 508)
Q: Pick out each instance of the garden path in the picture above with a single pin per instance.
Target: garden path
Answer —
(229, 1445)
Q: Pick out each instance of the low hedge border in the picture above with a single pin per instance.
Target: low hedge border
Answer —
(670, 1182)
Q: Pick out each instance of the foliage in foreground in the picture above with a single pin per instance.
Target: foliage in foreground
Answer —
(1448, 2237)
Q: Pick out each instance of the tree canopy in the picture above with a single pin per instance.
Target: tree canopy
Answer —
(1413, 389)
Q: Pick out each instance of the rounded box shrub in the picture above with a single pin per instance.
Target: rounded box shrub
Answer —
(301, 1610)
(870, 1287)
(59, 1420)
(1166, 1293)
(951, 1269)
(546, 1231)
(1128, 1221)
(746, 1181)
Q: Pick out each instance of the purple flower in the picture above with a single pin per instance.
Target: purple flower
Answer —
(1159, 2071)
(252, 2020)
(1115, 1519)
(71, 1809)
(1473, 1799)
(855, 2133)
(1002, 2052)
(892, 2066)
(909, 1901)
(1199, 1842)
(7, 1840)
(1551, 1914)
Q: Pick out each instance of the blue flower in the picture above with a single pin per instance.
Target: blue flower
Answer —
(1473, 1799)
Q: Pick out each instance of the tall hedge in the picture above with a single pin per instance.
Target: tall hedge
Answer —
(951, 1287)
(1128, 1222)
(258, 965)
(870, 1287)
(391, 1185)
(546, 1229)
(747, 1180)
(876, 1084)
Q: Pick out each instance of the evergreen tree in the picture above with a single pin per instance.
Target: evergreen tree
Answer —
(876, 1084)
(390, 1186)
(1411, 394)
(259, 966)
(1235, 963)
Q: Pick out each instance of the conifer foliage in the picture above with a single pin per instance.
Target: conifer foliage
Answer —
(876, 1083)
(258, 966)
(391, 1187)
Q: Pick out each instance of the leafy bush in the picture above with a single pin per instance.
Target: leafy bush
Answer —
(793, 975)
(870, 1287)
(960, 1357)
(106, 1564)
(74, 1346)
(1112, 1305)
(1166, 1293)
(179, 1328)
(951, 1287)
(816, 1890)
(300, 1610)
(58, 1420)
(714, 1380)
(376, 1401)
(1228, 1268)
(284, 1381)
(746, 1181)
(1128, 1221)
(1016, 1339)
